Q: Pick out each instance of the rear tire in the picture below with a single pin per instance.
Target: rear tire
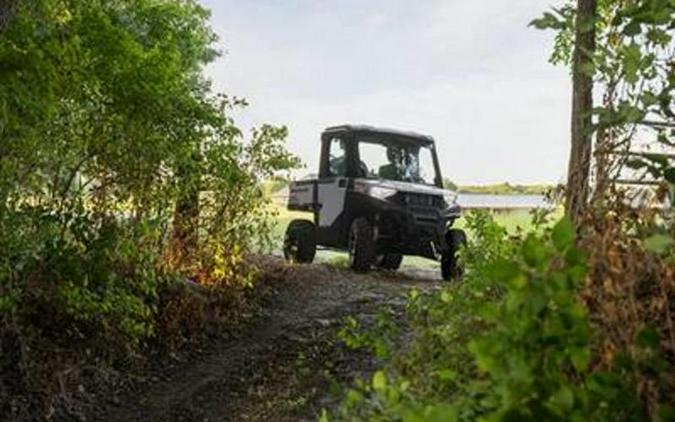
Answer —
(300, 242)
(390, 261)
(451, 266)
(361, 245)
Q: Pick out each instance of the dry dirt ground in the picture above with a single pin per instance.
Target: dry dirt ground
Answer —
(287, 364)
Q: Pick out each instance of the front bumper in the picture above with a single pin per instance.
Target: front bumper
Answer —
(415, 230)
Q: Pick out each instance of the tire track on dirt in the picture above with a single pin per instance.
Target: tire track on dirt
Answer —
(242, 378)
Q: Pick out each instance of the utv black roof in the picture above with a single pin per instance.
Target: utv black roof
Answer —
(425, 139)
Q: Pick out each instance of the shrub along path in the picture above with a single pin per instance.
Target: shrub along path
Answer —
(285, 365)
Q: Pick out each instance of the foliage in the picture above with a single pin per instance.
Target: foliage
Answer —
(630, 239)
(380, 341)
(92, 278)
(632, 66)
(108, 129)
(437, 363)
(537, 356)
(516, 341)
(631, 285)
(449, 184)
(274, 185)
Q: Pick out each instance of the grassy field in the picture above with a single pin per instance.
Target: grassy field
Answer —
(512, 220)
(506, 189)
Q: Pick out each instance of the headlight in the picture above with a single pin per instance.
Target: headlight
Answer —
(450, 197)
(380, 192)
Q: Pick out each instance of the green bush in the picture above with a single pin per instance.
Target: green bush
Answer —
(437, 363)
(120, 170)
(77, 276)
(512, 342)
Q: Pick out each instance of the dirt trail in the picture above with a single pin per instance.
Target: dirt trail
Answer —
(283, 365)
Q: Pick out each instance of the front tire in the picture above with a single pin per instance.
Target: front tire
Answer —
(361, 245)
(451, 265)
(300, 242)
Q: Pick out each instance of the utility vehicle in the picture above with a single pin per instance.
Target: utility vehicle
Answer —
(378, 196)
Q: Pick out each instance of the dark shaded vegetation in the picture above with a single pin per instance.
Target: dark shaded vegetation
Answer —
(128, 197)
(539, 329)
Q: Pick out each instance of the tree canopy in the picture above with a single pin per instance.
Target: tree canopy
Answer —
(109, 131)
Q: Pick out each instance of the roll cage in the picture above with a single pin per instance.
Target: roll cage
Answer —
(351, 135)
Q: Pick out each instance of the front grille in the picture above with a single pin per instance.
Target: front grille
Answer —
(425, 215)
(419, 200)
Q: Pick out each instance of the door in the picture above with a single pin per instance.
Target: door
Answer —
(332, 186)
(332, 194)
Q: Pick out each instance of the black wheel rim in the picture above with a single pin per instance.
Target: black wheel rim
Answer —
(351, 245)
(290, 249)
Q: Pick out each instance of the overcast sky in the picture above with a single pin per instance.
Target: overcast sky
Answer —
(470, 73)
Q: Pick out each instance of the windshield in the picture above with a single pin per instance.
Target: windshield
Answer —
(392, 159)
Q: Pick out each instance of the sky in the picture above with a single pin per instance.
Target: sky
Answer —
(472, 74)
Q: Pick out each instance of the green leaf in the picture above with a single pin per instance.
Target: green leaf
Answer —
(534, 251)
(635, 164)
(580, 357)
(503, 269)
(441, 413)
(562, 400)
(648, 338)
(632, 59)
(446, 374)
(563, 234)
(657, 158)
(483, 352)
(324, 416)
(658, 243)
(659, 36)
(446, 296)
(623, 361)
(379, 381)
(632, 29)
(649, 98)
(575, 257)
(354, 397)
(669, 175)
(666, 412)
(548, 21)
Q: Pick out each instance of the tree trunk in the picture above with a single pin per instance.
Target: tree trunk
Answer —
(578, 171)
(7, 12)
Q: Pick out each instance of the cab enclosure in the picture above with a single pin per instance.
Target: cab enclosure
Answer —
(379, 195)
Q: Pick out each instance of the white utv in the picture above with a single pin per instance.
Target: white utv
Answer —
(379, 196)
